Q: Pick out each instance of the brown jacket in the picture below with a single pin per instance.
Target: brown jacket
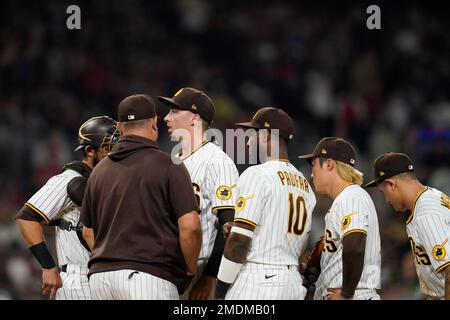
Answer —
(133, 200)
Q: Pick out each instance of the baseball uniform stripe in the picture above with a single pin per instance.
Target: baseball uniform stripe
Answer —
(245, 221)
(223, 207)
(38, 212)
(442, 267)
(353, 231)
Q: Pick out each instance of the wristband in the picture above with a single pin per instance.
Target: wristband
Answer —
(42, 255)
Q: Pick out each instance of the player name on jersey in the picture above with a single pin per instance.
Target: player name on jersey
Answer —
(294, 180)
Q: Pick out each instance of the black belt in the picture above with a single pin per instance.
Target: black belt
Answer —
(64, 268)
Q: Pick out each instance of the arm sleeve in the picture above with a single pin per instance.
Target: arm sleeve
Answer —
(48, 201)
(181, 193)
(434, 233)
(251, 193)
(26, 213)
(223, 177)
(353, 216)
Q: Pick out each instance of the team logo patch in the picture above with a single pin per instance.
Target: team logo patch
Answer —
(439, 251)
(346, 220)
(240, 204)
(223, 192)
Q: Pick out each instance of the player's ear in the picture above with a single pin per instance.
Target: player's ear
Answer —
(196, 120)
(119, 127)
(90, 151)
(391, 184)
(154, 123)
(330, 164)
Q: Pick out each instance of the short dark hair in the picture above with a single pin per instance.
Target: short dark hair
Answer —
(134, 124)
(408, 175)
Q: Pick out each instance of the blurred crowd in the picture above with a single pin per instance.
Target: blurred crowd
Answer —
(384, 90)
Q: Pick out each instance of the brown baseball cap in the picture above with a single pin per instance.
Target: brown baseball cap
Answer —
(193, 100)
(389, 164)
(335, 148)
(271, 118)
(136, 107)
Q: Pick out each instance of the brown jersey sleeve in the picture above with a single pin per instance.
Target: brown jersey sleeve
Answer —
(181, 192)
(86, 208)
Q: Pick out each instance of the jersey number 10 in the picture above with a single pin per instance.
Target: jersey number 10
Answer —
(297, 215)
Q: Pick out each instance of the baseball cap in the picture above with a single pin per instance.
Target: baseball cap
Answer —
(389, 164)
(271, 118)
(335, 148)
(192, 100)
(136, 107)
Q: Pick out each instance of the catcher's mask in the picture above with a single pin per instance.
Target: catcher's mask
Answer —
(98, 132)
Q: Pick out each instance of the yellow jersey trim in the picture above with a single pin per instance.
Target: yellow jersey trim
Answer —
(414, 206)
(37, 211)
(192, 152)
(245, 221)
(353, 231)
(347, 185)
(223, 207)
(282, 160)
(443, 267)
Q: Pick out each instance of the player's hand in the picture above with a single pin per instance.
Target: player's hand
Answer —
(51, 282)
(203, 288)
(335, 294)
(302, 268)
(227, 229)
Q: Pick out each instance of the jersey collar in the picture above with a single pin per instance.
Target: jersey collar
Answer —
(192, 152)
(344, 187)
(282, 160)
(415, 202)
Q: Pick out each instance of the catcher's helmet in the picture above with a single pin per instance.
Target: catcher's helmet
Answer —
(97, 131)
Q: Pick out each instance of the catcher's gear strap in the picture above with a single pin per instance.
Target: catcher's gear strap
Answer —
(68, 226)
(228, 270)
(242, 231)
(76, 186)
(80, 167)
(42, 255)
(75, 190)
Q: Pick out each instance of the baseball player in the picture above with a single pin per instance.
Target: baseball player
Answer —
(58, 203)
(427, 224)
(272, 221)
(140, 215)
(214, 176)
(351, 262)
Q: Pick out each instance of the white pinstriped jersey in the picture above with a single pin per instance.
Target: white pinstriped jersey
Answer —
(277, 199)
(214, 176)
(352, 211)
(428, 230)
(52, 202)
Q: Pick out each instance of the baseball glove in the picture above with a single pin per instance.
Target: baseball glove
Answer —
(312, 270)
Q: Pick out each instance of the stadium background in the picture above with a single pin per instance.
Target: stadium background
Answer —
(384, 90)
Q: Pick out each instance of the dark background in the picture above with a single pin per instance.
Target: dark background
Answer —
(384, 90)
